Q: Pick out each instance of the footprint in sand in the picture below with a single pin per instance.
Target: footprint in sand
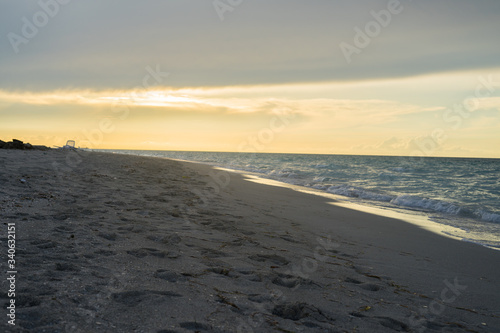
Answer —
(275, 259)
(393, 324)
(289, 239)
(242, 241)
(26, 301)
(170, 239)
(211, 253)
(105, 253)
(298, 311)
(145, 251)
(134, 297)
(362, 285)
(63, 229)
(66, 267)
(132, 228)
(169, 276)
(370, 287)
(195, 326)
(44, 244)
(111, 236)
(290, 281)
(351, 280)
(250, 274)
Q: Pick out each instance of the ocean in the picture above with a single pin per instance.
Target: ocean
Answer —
(462, 193)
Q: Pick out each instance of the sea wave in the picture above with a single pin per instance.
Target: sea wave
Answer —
(487, 216)
(322, 166)
(426, 204)
(399, 169)
(357, 192)
(414, 202)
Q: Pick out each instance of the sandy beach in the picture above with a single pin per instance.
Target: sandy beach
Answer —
(117, 243)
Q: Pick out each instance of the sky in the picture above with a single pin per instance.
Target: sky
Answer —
(368, 77)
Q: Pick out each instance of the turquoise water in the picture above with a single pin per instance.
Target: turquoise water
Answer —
(459, 192)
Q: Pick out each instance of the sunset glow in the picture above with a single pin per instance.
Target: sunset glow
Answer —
(224, 88)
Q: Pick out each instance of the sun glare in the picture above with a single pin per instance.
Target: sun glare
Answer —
(151, 98)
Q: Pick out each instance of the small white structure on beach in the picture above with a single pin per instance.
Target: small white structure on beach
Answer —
(70, 144)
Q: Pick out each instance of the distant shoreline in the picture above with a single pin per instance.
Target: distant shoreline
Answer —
(312, 154)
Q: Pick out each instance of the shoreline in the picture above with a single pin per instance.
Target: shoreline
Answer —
(421, 219)
(123, 242)
(417, 217)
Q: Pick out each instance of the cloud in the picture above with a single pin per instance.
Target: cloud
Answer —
(393, 144)
(489, 102)
(198, 101)
(106, 45)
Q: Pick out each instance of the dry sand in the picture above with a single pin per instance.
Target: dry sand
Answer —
(114, 243)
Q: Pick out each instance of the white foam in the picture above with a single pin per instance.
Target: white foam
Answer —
(426, 203)
(399, 169)
(487, 216)
(353, 192)
(322, 166)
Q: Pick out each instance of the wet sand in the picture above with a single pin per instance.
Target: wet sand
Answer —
(115, 243)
